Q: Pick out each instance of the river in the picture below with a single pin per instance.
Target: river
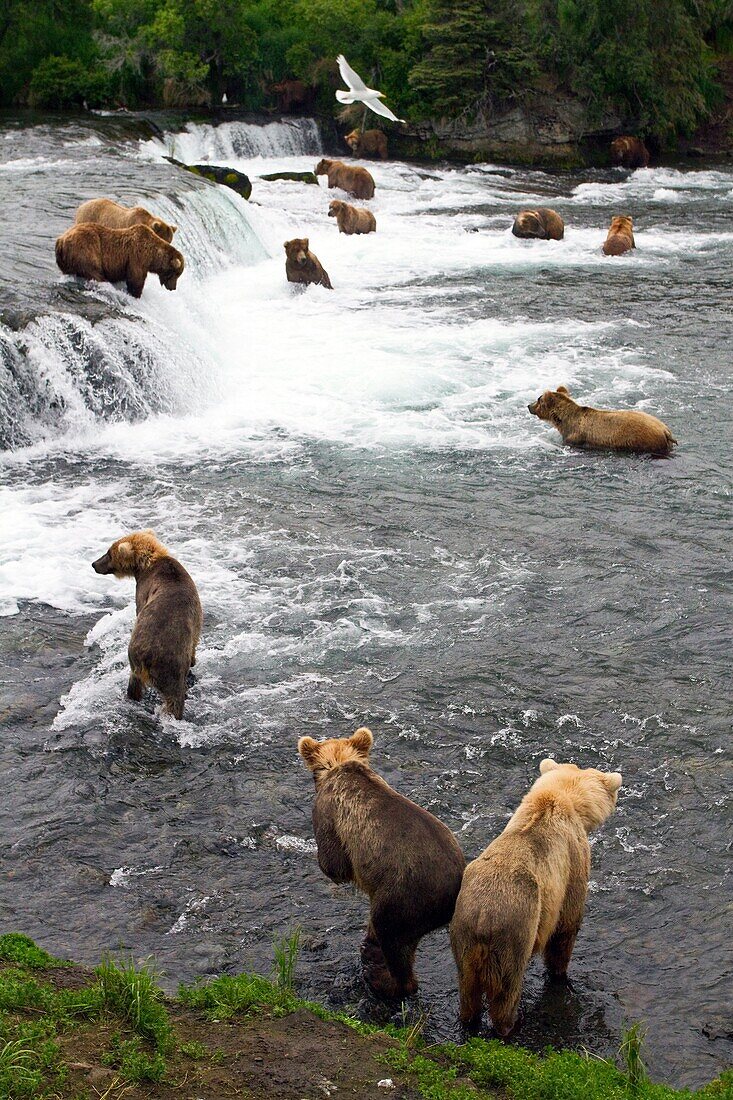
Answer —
(381, 534)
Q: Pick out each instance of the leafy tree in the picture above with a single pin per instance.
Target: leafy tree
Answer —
(62, 82)
(31, 30)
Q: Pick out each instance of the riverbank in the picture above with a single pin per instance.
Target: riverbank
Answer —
(69, 1031)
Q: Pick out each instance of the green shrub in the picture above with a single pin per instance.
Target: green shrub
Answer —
(61, 82)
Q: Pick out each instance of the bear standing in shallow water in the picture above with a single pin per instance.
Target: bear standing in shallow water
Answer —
(620, 237)
(352, 219)
(118, 255)
(355, 180)
(603, 429)
(169, 618)
(407, 861)
(115, 216)
(525, 895)
(302, 265)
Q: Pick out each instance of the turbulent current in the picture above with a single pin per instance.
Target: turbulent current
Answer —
(381, 534)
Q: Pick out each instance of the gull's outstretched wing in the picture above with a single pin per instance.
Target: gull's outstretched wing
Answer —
(347, 97)
(380, 109)
(349, 76)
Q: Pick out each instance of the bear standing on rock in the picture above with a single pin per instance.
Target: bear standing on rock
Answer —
(525, 895)
(407, 861)
(541, 224)
(602, 429)
(115, 216)
(118, 255)
(303, 266)
(169, 617)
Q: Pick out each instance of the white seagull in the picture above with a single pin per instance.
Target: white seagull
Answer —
(359, 93)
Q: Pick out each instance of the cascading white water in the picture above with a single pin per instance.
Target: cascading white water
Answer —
(241, 140)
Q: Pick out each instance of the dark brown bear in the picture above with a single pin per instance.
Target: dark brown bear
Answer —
(541, 224)
(168, 626)
(115, 216)
(605, 429)
(403, 858)
(367, 143)
(629, 152)
(292, 96)
(350, 219)
(303, 266)
(620, 237)
(354, 180)
(118, 255)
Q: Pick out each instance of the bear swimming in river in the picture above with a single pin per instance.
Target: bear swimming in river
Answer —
(302, 265)
(525, 894)
(620, 237)
(541, 224)
(403, 858)
(167, 629)
(115, 216)
(117, 255)
(604, 429)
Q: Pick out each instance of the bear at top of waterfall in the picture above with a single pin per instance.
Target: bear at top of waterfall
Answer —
(403, 858)
(302, 265)
(353, 179)
(116, 216)
(118, 255)
(602, 429)
(352, 219)
(167, 629)
(629, 152)
(525, 895)
(620, 237)
(368, 143)
(541, 224)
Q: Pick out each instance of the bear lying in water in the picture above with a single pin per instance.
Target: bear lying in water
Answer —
(525, 894)
(541, 224)
(169, 617)
(357, 181)
(303, 266)
(115, 216)
(620, 237)
(118, 255)
(605, 429)
(407, 861)
(351, 219)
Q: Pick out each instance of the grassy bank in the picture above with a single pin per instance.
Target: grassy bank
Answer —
(67, 1031)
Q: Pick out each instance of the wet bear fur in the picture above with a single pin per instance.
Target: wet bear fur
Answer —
(525, 894)
(167, 629)
(302, 265)
(354, 180)
(368, 143)
(115, 216)
(620, 237)
(541, 224)
(351, 219)
(118, 255)
(406, 861)
(629, 152)
(604, 429)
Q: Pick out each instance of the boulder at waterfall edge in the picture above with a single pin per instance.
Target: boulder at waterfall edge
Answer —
(227, 177)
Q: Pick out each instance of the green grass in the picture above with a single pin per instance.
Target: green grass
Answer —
(286, 956)
(132, 993)
(22, 951)
(134, 1063)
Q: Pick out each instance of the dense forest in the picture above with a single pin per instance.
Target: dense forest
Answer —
(654, 63)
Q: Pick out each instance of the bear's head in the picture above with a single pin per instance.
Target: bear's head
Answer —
(352, 139)
(324, 167)
(552, 405)
(590, 793)
(169, 265)
(323, 756)
(622, 224)
(297, 250)
(130, 555)
(528, 224)
(335, 208)
(163, 230)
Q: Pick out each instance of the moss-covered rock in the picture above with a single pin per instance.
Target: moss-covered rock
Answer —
(227, 177)
(296, 177)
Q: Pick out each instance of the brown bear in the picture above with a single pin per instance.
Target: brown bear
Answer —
(292, 96)
(525, 894)
(351, 219)
(303, 266)
(367, 143)
(407, 861)
(113, 255)
(603, 429)
(356, 181)
(115, 216)
(168, 626)
(541, 224)
(620, 237)
(629, 152)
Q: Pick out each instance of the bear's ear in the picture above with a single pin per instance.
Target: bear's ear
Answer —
(173, 229)
(285, 246)
(362, 740)
(306, 244)
(613, 780)
(123, 555)
(563, 389)
(177, 264)
(548, 765)
(308, 749)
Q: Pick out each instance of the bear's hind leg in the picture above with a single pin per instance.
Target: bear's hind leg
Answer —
(135, 687)
(471, 965)
(503, 1005)
(558, 951)
(374, 966)
(400, 959)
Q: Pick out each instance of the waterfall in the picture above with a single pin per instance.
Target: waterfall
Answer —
(233, 141)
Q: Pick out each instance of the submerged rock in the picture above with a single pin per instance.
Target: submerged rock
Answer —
(297, 177)
(227, 177)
